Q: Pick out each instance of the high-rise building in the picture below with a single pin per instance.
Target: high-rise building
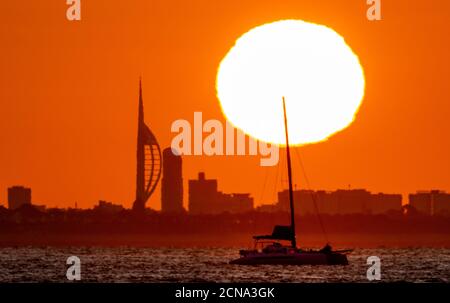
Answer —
(202, 193)
(172, 182)
(431, 202)
(353, 201)
(18, 196)
(303, 201)
(234, 203)
(204, 198)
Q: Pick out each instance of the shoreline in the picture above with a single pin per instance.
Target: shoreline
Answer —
(231, 240)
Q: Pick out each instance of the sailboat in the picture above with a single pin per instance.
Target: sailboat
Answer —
(269, 249)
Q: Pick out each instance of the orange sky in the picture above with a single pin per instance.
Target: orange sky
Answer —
(69, 93)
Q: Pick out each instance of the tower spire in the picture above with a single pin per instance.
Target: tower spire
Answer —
(139, 203)
(141, 103)
(148, 159)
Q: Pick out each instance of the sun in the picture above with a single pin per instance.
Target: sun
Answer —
(309, 64)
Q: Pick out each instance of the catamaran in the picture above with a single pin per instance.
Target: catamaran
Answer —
(269, 249)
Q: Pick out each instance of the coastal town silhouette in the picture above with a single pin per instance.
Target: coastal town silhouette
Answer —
(211, 212)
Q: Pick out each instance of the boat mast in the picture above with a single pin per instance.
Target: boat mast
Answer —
(291, 193)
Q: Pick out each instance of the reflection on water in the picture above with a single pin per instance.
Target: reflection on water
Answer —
(126, 264)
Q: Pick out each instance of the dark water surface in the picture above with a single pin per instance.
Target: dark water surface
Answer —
(126, 264)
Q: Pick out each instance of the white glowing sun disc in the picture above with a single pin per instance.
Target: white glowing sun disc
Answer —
(309, 64)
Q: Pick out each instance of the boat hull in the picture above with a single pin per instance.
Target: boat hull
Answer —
(302, 258)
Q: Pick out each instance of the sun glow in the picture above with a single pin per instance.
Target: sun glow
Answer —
(309, 64)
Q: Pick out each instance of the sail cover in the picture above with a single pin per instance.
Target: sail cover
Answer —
(279, 232)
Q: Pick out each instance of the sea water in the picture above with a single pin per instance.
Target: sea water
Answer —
(128, 264)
